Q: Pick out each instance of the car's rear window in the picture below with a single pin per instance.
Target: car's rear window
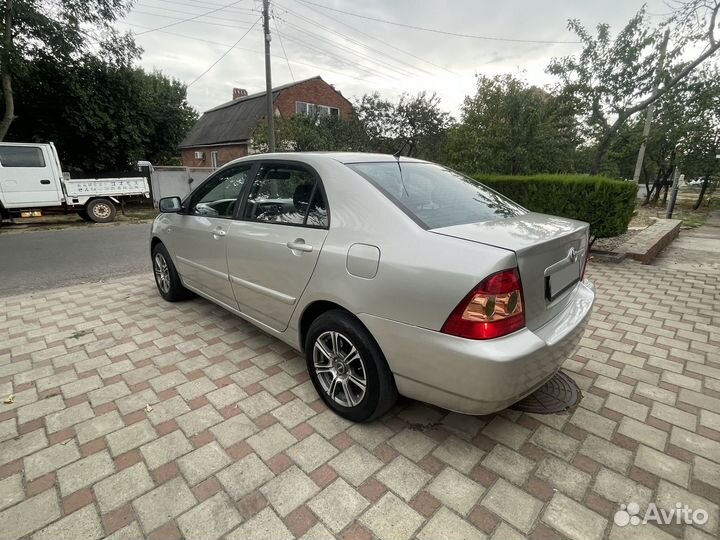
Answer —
(435, 196)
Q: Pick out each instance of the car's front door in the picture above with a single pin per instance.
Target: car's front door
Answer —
(273, 248)
(27, 176)
(199, 238)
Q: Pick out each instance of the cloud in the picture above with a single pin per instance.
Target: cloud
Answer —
(359, 55)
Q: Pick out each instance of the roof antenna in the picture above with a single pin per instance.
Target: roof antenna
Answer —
(397, 155)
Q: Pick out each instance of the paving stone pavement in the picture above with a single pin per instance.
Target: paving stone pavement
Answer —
(137, 418)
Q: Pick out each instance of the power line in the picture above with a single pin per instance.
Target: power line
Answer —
(329, 54)
(282, 45)
(191, 18)
(200, 4)
(380, 63)
(182, 12)
(206, 4)
(387, 44)
(223, 55)
(436, 31)
(201, 40)
(352, 40)
(184, 20)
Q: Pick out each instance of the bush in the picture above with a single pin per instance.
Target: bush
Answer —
(607, 205)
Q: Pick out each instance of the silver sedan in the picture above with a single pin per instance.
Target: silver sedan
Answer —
(392, 275)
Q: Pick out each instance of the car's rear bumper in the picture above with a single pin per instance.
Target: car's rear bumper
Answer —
(480, 377)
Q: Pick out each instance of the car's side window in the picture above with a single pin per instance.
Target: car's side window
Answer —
(218, 197)
(286, 194)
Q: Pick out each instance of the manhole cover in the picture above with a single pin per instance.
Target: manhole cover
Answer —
(557, 395)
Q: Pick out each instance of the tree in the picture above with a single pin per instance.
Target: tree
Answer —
(612, 79)
(512, 128)
(684, 129)
(101, 116)
(307, 133)
(57, 30)
(414, 119)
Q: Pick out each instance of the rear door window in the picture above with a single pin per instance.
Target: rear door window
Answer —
(434, 196)
(21, 156)
(287, 194)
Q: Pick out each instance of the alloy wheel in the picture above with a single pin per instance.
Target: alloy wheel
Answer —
(339, 368)
(162, 273)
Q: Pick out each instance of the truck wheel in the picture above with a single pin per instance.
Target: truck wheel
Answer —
(166, 277)
(101, 210)
(84, 215)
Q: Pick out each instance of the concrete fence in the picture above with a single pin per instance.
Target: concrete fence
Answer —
(175, 181)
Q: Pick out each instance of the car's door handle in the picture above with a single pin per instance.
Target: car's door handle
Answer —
(218, 233)
(299, 245)
(46, 182)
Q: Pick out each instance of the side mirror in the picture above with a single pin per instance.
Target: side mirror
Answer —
(170, 205)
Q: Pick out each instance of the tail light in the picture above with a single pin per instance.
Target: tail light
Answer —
(492, 309)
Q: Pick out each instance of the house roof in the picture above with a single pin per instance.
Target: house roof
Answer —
(233, 121)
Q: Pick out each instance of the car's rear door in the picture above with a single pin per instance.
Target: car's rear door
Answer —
(198, 237)
(273, 249)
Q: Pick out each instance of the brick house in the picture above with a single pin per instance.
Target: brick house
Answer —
(224, 133)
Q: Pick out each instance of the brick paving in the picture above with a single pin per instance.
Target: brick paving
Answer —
(136, 418)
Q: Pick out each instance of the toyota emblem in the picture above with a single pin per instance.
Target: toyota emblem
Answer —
(572, 254)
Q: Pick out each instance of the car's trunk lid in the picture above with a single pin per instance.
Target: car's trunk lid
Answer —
(550, 254)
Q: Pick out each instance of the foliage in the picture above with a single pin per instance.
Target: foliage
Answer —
(613, 79)
(417, 120)
(685, 130)
(508, 126)
(607, 205)
(61, 31)
(304, 133)
(100, 116)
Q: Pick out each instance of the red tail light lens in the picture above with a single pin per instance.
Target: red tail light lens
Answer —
(492, 309)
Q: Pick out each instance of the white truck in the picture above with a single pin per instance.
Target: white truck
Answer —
(32, 180)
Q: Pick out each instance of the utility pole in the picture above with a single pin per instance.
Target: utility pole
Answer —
(268, 78)
(650, 109)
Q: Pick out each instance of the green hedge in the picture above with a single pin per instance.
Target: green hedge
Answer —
(606, 204)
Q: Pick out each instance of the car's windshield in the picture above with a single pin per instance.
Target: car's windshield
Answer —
(435, 196)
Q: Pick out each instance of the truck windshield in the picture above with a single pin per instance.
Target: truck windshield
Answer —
(435, 196)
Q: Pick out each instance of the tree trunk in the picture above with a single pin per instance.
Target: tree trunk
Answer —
(604, 144)
(5, 72)
(705, 184)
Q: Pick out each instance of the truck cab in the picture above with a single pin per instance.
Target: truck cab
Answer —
(30, 176)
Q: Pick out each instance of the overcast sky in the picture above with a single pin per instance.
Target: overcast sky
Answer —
(357, 55)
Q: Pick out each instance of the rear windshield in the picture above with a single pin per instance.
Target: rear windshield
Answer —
(435, 196)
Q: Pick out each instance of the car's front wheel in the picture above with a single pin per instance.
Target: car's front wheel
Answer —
(348, 368)
(166, 277)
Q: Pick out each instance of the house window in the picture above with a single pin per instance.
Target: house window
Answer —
(311, 109)
(214, 159)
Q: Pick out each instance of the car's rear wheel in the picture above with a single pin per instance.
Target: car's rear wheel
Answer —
(166, 277)
(348, 368)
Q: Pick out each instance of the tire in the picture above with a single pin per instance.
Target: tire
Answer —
(339, 332)
(84, 215)
(166, 277)
(101, 210)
